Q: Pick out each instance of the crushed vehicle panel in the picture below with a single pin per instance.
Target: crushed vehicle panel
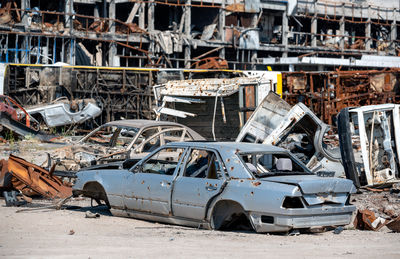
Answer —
(297, 129)
(370, 143)
(16, 119)
(65, 112)
(215, 184)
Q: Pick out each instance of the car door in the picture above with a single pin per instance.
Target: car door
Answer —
(201, 179)
(148, 187)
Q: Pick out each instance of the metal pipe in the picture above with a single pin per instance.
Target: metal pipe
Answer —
(104, 8)
(215, 107)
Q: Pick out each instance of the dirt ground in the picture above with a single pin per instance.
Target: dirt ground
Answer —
(50, 233)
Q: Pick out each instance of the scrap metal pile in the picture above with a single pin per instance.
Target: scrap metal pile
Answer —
(365, 149)
(327, 93)
(30, 180)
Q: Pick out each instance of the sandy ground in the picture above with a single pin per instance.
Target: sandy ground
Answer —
(47, 233)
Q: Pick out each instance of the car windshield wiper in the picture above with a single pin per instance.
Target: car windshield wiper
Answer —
(281, 173)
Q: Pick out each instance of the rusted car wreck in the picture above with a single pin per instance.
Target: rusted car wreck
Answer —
(216, 185)
(117, 141)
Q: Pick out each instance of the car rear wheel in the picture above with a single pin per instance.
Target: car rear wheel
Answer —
(229, 215)
(95, 191)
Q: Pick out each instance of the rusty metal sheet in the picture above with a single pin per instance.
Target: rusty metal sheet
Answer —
(394, 225)
(366, 220)
(211, 63)
(3, 173)
(37, 179)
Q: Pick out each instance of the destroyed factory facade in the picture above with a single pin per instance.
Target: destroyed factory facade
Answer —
(114, 52)
(295, 35)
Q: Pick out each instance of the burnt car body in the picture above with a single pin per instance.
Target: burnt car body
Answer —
(370, 144)
(17, 120)
(64, 112)
(119, 140)
(297, 129)
(215, 184)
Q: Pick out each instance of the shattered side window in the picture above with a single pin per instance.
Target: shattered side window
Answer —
(265, 164)
(203, 164)
(163, 162)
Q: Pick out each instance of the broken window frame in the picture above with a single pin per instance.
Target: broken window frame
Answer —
(184, 134)
(294, 159)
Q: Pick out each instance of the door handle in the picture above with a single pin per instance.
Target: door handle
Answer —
(165, 184)
(211, 188)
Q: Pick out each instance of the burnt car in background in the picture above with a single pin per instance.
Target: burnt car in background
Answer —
(216, 185)
(117, 141)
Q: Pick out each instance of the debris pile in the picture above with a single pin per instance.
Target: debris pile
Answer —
(378, 208)
(31, 180)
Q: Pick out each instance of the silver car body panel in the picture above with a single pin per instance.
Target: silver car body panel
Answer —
(59, 114)
(189, 201)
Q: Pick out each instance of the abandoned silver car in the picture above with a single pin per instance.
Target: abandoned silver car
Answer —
(217, 185)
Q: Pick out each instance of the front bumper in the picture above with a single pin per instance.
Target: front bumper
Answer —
(303, 218)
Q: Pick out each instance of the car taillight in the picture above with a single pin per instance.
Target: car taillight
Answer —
(292, 203)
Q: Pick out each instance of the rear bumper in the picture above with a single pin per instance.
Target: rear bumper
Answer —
(302, 219)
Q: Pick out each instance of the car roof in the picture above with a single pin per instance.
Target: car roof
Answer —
(234, 146)
(140, 123)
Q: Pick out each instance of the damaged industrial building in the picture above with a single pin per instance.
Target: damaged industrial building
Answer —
(263, 115)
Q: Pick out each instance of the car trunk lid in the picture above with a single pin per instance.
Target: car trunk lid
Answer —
(318, 190)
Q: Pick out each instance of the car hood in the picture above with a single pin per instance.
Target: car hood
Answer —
(318, 190)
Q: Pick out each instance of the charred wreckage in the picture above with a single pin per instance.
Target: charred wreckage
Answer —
(280, 150)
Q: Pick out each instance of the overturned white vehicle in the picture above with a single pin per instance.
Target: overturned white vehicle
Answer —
(65, 112)
(297, 129)
(218, 185)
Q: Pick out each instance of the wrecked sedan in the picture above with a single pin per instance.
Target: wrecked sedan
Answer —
(119, 140)
(220, 185)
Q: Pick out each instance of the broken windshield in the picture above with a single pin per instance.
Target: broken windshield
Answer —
(271, 164)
